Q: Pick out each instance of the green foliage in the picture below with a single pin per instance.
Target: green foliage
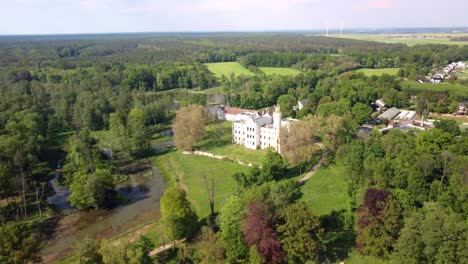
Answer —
(93, 190)
(89, 252)
(230, 221)
(301, 234)
(209, 248)
(361, 112)
(433, 235)
(177, 213)
(286, 103)
(17, 243)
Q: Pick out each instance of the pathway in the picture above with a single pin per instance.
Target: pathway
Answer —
(317, 166)
(166, 247)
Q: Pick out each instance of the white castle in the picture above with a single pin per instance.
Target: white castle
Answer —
(257, 130)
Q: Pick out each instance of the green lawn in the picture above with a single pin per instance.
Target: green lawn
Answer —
(221, 144)
(326, 190)
(408, 39)
(226, 68)
(279, 71)
(379, 72)
(189, 171)
(463, 75)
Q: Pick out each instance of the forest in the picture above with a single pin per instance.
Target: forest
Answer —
(92, 110)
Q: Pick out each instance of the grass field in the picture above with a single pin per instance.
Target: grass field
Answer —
(463, 75)
(379, 72)
(189, 171)
(326, 190)
(279, 71)
(455, 89)
(220, 144)
(408, 39)
(226, 68)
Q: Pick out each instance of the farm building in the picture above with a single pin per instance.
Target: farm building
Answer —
(390, 114)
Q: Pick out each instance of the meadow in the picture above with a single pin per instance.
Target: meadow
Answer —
(189, 170)
(226, 68)
(218, 141)
(408, 39)
(379, 72)
(279, 71)
(326, 190)
(458, 90)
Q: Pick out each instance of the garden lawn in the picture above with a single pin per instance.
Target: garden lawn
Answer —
(218, 141)
(379, 72)
(279, 71)
(189, 170)
(226, 68)
(326, 190)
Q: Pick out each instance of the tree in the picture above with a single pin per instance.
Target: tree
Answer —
(379, 223)
(297, 141)
(189, 126)
(139, 136)
(448, 125)
(259, 232)
(230, 221)
(301, 234)
(89, 252)
(287, 103)
(361, 112)
(177, 213)
(273, 168)
(209, 248)
(92, 190)
(17, 243)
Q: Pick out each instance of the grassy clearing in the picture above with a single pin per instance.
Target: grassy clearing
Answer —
(218, 141)
(326, 190)
(226, 68)
(408, 39)
(279, 71)
(463, 75)
(379, 72)
(188, 170)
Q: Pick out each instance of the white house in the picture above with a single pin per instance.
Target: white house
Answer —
(259, 132)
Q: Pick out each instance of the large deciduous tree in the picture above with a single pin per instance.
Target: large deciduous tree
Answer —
(259, 231)
(189, 126)
(379, 221)
(301, 234)
(177, 213)
(230, 223)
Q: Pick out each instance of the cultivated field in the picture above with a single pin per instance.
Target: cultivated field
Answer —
(226, 68)
(379, 72)
(279, 71)
(409, 39)
(326, 190)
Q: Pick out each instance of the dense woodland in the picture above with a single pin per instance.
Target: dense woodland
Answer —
(408, 189)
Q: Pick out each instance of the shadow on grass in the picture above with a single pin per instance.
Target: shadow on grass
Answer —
(339, 241)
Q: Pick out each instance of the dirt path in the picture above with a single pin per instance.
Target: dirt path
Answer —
(166, 247)
(317, 166)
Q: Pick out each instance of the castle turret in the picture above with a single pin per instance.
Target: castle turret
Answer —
(277, 126)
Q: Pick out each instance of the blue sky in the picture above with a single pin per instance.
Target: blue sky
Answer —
(96, 16)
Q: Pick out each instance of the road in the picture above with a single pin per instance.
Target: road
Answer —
(317, 166)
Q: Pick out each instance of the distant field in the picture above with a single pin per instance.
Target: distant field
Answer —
(226, 68)
(379, 72)
(408, 39)
(189, 170)
(279, 71)
(458, 90)
(326, 190)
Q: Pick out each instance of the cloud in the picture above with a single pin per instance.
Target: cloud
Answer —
(374, 4)
(238, 5)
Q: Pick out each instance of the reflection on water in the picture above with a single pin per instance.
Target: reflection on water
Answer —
(144, 194)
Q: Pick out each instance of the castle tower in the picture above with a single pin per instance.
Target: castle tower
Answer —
(277, 125)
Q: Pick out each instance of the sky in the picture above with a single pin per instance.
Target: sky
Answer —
(106, 16)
